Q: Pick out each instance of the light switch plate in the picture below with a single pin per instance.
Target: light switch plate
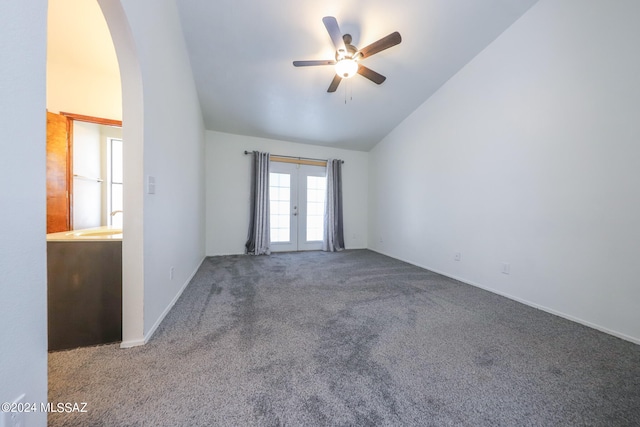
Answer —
(151, 184)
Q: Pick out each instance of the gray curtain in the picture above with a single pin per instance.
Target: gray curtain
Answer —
(259, 239)
(333, 239)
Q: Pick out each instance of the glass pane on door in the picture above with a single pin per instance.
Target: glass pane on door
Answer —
(280, 207)
(316, 191)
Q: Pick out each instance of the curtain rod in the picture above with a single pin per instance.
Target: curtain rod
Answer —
(294, 157)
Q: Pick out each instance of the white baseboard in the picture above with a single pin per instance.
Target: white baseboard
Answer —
(132, 343)
(520, 300)
(225, 254)
(149, 334)
(166, 311)
(242, 253)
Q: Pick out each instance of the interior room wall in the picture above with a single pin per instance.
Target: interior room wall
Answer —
(229, 186)
(528, 157)
(23, 309)
(133, 148)
(73, 88)
(173, 154)
(81, 88)
(86, 87)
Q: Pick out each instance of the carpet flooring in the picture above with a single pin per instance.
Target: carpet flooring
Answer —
(350, 339)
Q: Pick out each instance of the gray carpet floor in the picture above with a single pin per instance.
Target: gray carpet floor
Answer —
(350, 339)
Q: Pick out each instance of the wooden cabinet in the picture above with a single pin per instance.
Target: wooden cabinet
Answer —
(84, 293)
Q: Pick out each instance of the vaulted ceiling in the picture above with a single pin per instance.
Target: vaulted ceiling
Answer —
(241, 53)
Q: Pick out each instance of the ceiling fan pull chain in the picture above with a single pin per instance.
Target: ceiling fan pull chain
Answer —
(348, 88)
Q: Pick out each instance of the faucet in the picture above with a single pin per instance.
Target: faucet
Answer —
(115, 212)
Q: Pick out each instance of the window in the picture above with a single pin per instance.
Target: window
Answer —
(114, 195)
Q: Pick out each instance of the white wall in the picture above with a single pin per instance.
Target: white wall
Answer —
(528, 156)
(173, 153)
(75, 89)
(23, 338)
(82, 70)
(229, 187)
(133, 135)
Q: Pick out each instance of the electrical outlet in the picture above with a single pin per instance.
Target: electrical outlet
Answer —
(457, 256)
(506, 268)
(171, 271)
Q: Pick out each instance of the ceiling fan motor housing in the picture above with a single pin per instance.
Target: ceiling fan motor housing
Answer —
(351, 49)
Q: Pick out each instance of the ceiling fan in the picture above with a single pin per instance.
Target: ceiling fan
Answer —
(348, 56)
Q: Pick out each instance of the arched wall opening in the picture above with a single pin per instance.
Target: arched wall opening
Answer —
(132, 128)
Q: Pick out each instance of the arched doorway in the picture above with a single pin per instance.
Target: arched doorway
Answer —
(131, 113)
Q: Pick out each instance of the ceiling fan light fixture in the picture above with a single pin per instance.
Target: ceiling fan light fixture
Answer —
(346, 68)
(347, 56)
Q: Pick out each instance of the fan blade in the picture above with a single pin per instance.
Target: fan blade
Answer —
(382, 44)
(334, 83)
(313, 62)
(370, 74)
(331, 25)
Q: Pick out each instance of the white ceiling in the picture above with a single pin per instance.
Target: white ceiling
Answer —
(241, 53)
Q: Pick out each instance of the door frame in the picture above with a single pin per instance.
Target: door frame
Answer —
(71, 118)
(290, 169)
(298, 204)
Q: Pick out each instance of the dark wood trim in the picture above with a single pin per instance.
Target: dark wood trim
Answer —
(90, 119)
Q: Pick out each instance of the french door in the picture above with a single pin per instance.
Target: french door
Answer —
(296, 194)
